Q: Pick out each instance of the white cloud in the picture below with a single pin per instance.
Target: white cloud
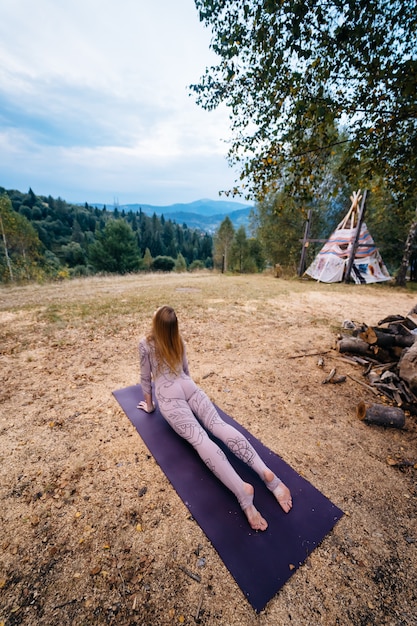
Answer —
(93, 100)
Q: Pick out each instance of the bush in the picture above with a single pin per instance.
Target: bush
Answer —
(81, 270)
(180, 264)
(197, 265)
(163, 264)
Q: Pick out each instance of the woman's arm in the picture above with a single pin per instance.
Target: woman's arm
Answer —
(145, 378)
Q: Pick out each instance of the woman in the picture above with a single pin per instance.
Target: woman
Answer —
(181, 402)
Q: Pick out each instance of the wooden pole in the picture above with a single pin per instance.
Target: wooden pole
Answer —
(356, 240)
(301, 267)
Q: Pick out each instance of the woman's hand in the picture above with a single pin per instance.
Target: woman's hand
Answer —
(145, 407)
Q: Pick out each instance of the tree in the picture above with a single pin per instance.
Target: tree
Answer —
(280, 224)
(240, 247)
(147, 259)
(256, 257)
(296, 74)
(223, 241)
(26, 248)
(115, 249)
(246, 254)
(20, 243)
(168, 238)
(402, 273)
(291, 69)
(6, 224)
(73, 254)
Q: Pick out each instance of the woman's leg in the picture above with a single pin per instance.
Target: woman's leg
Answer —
(202, 406)
(181, 418)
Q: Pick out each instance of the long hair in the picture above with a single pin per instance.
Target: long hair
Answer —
(166, 337)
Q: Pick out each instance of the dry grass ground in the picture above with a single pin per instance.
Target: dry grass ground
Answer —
(91, 530)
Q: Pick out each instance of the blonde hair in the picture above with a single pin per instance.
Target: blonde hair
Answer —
(166, 337)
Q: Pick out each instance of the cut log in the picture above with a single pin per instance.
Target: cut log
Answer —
(405, 341)
(388, 337)
(396, 352)
(354, 345)
(369, 335)
(412, 319)
(386, 355)
(381, 415)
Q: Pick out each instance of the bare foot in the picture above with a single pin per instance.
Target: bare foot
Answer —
(255, 519)
(281, 492)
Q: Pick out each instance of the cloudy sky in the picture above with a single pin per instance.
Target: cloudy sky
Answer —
(95, 106)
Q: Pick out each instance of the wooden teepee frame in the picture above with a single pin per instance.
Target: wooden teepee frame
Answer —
(353, 219)
(359, 212)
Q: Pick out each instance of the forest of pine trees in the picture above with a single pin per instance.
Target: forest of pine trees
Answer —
(48, 237)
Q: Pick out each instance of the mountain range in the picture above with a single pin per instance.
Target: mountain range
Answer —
(206, 215)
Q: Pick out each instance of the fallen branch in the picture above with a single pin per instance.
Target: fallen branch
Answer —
(329, 377)
(197, 613)
(191, 574)
(61, 606)
(374, 391)
(300, 356)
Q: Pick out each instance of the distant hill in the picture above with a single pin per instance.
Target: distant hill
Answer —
(206, 215)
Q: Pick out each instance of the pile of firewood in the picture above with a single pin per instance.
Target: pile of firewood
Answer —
(388, 354)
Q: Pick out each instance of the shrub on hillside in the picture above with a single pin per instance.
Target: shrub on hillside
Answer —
(163, 264)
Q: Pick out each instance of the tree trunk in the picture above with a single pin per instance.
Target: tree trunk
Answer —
(402, 272)
(6, 252)
(302, 265)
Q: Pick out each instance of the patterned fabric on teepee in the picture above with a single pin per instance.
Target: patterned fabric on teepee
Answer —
(330, 265)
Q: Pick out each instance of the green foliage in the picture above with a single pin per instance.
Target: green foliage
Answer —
(147, 260)
(322, 95)
(163, 264)
(66, 234)
(196, 265)
(223, 242)
(19, 245)
(180, 264)
(81, 270)
(115, 249)
(234, 251)
(280, 226)
(239, 250)
(255, 260)
(388, 223)
(74, 254)
(295, 73)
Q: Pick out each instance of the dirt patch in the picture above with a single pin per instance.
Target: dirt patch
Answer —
(91, 530)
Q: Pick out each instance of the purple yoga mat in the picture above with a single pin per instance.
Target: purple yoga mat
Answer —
(260, 562)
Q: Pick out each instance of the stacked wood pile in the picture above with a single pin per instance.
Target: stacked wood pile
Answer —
(388, 354)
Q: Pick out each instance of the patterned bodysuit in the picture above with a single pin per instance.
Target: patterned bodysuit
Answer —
(181, 402)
